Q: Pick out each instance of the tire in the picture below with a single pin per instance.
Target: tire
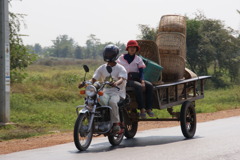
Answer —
(82, 139)
(116, 139)
(188, 119)
(130, 125)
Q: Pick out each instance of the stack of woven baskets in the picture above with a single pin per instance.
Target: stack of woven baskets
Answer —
(171, 42)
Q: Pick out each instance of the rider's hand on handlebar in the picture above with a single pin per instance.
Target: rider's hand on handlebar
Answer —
(113, 84)
(81, 85)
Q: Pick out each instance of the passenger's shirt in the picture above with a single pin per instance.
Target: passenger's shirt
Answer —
(132, 63)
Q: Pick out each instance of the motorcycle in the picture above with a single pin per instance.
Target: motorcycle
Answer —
(94, 118)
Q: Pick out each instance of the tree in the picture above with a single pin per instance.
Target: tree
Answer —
(78, 53)
(63, 46)
(210, 43)
(93, 44)
(147, 33)
(122, 47)
(193, 39)
(37, 48)
(20, 57)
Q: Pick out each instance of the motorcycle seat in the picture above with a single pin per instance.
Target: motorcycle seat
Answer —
(124, 101)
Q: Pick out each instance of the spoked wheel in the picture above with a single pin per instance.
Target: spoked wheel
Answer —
(188, 119)
(82, 138)
(131, 126)
(117, 138)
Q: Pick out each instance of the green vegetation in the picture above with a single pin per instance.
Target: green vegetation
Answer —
(219, 99)
(43, 98)
(44, 102)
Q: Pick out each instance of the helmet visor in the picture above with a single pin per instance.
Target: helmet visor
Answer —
(109, 56)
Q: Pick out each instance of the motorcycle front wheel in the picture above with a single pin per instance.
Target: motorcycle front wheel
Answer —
(82, 138)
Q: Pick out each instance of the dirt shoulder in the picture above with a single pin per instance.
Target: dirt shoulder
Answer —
(60, 138)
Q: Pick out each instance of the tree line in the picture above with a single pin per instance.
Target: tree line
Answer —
(65, 47)
(212, 48)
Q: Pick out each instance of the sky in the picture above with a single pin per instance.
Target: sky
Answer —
(110, 20)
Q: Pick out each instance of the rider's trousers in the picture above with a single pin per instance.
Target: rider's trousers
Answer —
(113, 102)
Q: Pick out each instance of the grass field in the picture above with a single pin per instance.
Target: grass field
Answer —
(45, 101)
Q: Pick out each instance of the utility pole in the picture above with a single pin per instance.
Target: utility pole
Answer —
(4, 64)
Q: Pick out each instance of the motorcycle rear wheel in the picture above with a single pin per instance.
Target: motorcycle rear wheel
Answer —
(116, 139)
(82, 138)
(131, 125)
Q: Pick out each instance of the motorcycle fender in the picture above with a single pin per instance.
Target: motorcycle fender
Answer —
(84, 110)
(106, 107)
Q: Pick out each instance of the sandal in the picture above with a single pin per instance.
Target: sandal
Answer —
(116, 127)
(142, 115)
(150, 113)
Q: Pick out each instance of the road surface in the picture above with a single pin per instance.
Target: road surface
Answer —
(214, 140)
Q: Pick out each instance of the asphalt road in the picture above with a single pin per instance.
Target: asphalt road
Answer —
(214, 140)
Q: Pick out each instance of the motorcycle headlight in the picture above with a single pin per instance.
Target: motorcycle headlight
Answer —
(90, 91)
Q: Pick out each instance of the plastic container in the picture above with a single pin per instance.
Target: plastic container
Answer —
(153, 71)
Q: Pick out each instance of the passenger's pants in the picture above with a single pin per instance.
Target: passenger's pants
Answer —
(139, 94)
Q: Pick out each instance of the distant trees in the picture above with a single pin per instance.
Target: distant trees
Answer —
(211, 44)
(65, 47)
(93, 45)
(78, 53)
(147, 33)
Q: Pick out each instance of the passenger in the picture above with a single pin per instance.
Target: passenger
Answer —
(134, 66)
(119, 76)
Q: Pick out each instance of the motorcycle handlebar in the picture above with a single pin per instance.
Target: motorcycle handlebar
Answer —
(107, 82)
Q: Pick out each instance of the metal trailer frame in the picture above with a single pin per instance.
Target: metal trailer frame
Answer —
(189, 93)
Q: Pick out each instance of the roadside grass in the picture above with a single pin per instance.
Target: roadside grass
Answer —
(220, 99)
(45, 101)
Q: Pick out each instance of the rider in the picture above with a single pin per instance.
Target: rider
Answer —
(134, 66)
(119, 76)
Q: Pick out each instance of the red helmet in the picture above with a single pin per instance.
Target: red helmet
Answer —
(133, 43)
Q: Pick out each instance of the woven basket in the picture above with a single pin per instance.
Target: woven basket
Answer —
(171, 43)
(173, 67)
(149, 50)
(188, 74)
(173, 23)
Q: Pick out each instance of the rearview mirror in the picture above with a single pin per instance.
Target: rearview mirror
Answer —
(86, 69)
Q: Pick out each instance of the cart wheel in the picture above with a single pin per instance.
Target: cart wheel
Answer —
(131, 125)
(188, 119)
